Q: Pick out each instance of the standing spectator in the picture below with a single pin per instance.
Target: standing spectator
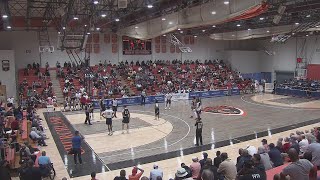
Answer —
(195, 168)
(299, 169)
(122, 175)
(135, 175)
(208, 166)
(217, 160)
(275, 155)
(248, 172)
(156, 172)
(76, 147)
(227, 168)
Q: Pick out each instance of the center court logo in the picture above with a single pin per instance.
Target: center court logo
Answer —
(225, 110)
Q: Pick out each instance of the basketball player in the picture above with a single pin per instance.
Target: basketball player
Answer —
(126, 119)
(193, 106)
(102, 107)
(114, 107)
(156, 111)
(199, 126)
(87, 111)
(108, 115)
(198, 109)
(168, 97)
(91, 108)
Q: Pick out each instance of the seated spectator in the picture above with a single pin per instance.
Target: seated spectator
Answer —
(286, 146)
(182, 174)
(245, 157)
(207, 175)
(4, 170)
(31, 172)
(265, 159)
(195, 168)
(202, 161)
(249, 172)
(156, 172)
(93, 176)
(44, 163)
(303, 144)
(314, 149)
(35, 136)
(187, 168)
(227, 168)
(208, 166)
(217, 160)
(135, 175)
(122, 176)
(299, 169)
(275, 155)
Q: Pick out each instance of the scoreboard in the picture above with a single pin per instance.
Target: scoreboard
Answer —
(132, 46)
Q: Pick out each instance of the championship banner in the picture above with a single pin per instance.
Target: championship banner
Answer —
(95, 38)
(96, 48)
(157, 40)
(114, 38)
(163, 40)
(172, 48)
(191, 40)
(186, 39)
(114, 48)
(163, 48)
(106, 38)
(157, 48)
(89, 40)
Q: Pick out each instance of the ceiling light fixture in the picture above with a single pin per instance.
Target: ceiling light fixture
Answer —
(59, 32)
(136, 27)
(98, 29)
(95, 2)
(213, 13)
(308, 16)
(4, 16)
(293, 33)
(103, 15)
(75, 18)
(233, 35)
(238, 25)
(181, 32)
(317, 26)
(164, 35)
(117, 19)
(85, 25)
(296, 23)
(195, 36)
(307, 35)
(150, 6)
(63, 28)
(268, 31)
(214, 26)
(170, 22)
(8, 27)
(88, 33)
(203, 30)
(179, 29)
(249, 29)
(262, 18)
(226, 2)
(163, 19)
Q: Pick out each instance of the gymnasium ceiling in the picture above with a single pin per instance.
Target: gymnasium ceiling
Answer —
(217, 19)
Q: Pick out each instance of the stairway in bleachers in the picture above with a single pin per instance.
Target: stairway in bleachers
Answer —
(56, 86)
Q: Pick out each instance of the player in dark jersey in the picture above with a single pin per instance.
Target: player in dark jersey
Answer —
(156, 111)
(126, 119)
(199, 126)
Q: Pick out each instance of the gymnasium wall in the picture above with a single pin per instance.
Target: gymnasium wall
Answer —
(25, 45)
(8, 78)
(285, 55)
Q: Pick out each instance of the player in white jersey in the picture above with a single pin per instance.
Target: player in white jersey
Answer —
(108, 113)
(114, 107)
(168, 98)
